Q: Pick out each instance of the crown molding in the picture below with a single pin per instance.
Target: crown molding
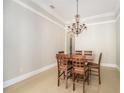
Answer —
(102, 22)
(50, 11)
(110, 14)
(105, 15)
(36, 12)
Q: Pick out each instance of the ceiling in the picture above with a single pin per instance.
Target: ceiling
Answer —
(88, 9)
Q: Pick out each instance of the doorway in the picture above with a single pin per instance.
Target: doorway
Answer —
(70, 48)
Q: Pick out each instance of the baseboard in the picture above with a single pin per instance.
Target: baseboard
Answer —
(109, 65)
(27, 75)
(30, 74)
(118, 68)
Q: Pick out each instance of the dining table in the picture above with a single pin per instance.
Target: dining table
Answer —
(85, 57)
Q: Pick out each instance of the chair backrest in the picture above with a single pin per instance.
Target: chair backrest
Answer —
(90, 53)
(100, 57)
(78, 61)
(78, 52)
(62, 60)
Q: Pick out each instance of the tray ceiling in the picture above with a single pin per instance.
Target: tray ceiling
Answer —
(65, 10)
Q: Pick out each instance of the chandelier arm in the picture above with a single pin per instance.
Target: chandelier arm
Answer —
(84, 29)
(76, 27)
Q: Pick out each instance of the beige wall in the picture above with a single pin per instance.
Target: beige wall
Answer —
(118, 41)
(30, 41)
(99, 38)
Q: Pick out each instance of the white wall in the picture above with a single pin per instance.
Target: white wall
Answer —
(30, 41)
(99, 38)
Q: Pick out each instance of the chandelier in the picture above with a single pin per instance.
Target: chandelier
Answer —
(76, 27)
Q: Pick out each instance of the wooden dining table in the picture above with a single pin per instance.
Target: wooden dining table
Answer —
(86, 57)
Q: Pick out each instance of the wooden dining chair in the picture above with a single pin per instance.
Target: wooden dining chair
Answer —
(95, 68)
(64, 68)
(80, 68)
(62, 53)
(78, 52)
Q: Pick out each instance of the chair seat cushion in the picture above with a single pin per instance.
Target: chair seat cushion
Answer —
(79, 70)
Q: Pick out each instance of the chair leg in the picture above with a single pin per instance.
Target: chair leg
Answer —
(99, 76)
(64, 75)
(90, 73)
(73, 81)
(66, 79)
(84, 84)
(88, 77)
(58, 78)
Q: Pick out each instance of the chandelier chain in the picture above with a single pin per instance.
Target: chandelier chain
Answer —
(77, 7)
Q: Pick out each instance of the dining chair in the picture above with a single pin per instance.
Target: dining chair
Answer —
(80, 68)
(95, 68)
(64, 68)
(62, 53)
(78, 52)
